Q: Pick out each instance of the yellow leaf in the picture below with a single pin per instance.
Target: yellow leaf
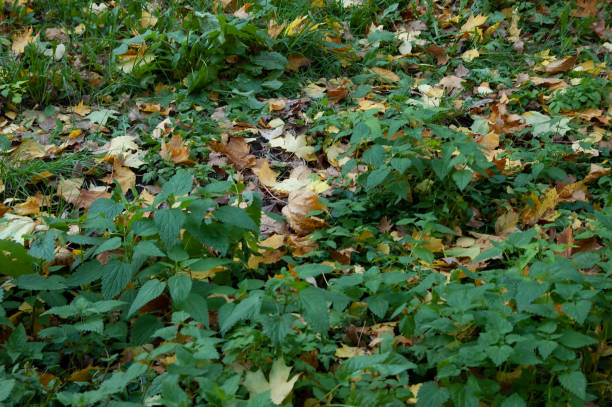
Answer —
(386, 74)
(279, 384)
(470, 55)
(265, 174)
(20, 41)
(70, 189)
(148, 20)
(300, 204)
(473, 22)
(30, 207)
(296, 145)
(81, 109)
(347, 352)
(296, 26)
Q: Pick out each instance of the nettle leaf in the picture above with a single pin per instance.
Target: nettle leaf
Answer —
(246, 309)
(574, 382)
(578, 310)
(270, 60)
(148, 292)
(462, 178)
(6, 387)
(312, 270)
(314, 304)
(44, 247)
(147, 248)
(574, 339)
(499, 354)
(179, 184)
(38, 282)
(110, 244)
(116, 275)
(14, 260)
(196, 306)
(235, 216)
(430, 395)
(169, 223)
(514, 401)
(376, 177)
(180, 287)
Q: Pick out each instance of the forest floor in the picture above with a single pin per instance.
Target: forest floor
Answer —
(308, 203)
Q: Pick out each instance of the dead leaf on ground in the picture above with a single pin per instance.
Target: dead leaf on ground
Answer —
(386, 74)
(30, 207)
(237, 151)
(300, 203)
(20, 41)
(540, 209)
(123, 175)
(561, 65)
(472, 22)
(297, 145)
(176, 150)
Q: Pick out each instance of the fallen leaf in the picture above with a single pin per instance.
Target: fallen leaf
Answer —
(265, 174)
(386, 74)
(296, 62)
(347, 352)
(147, 19)
(279, 384)
(472, 22)
(30, 207)
(595, 172)
(16, 227)
(561, 65)
(506, 223)
(29, 150)
(123, 175)
(20, 41)
(237, 150)
(87, 197)
(300, 203)
(470, 55)
(540, 209)
(274, 29)
(296, 145)
(81, 109)
(176, 150)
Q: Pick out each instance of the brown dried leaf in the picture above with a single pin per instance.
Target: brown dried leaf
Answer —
(237, 150)
(300, 204)
(561, 65)
(176, 150)
(386, 74)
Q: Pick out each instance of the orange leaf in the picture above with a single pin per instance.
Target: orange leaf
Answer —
(561, 65)
(176, 150)
(237, 150)
(302, 202)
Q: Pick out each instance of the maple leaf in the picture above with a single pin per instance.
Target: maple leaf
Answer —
(296, 145)
(20, 41)
(31, 206)
(81, 109)
(237, 150)
(279, 384)
(300, 203)
(472, 22)
(176, 150)
(123, 175)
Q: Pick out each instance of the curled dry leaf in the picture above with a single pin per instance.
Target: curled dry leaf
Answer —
(541, 209)
(176, 150)
(237, 150)
(22, 40)
(561, 65)
(385, 74)
(300, 204)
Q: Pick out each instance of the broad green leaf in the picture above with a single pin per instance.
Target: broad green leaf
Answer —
(376, 177)
(14, 260)
(237, 217)
(514, 401)
(148, 292)
(430, 395)
(180, 287)
(38, 282)
(271, 60)
(169, 223)
(574, 339)
(314, 305)
(110, 244)
(196, 306)
(247, 308)
(312, 270)
(574, 382)
(6, 387)
(462, 178)
(146, 248)
(115, 276)
(179, 184)
(578, 310)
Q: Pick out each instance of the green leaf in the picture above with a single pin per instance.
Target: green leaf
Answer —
(148, 292)
(246, 309)
(179, 184)
(574, 382)
(440, 167)
(542, 124)
(180, 287)
(277, 328)
(235, 216)
(423, 254)
(462, 178)
(514, 401)
(271, 60)
(578, 310)
(6, 387)
(14, 260)
(499, 354)
(38, 282)
(312, 270)
(146, 248)
(115, 276)
(376, 177)
(430, 395)
(196, 306)
(44, 247)
(574, 339)
(169, 223)
(110, 244)
(314, 304)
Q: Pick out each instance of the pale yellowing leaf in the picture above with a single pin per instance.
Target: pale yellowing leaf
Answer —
(296, 145)
(20, 41)
(472, 22)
